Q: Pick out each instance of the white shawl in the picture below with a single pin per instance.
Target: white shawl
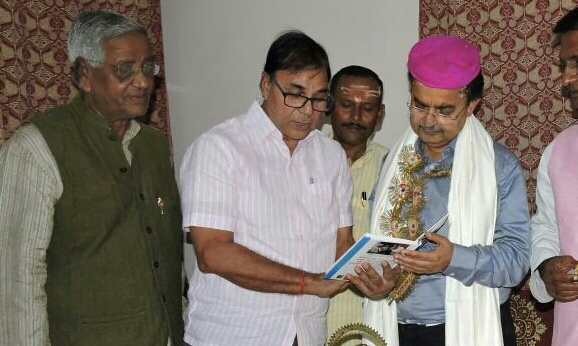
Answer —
(472, 313)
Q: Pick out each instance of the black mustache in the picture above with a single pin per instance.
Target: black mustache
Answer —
(355, 126)
(429, 128)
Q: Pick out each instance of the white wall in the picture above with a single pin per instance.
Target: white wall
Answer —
(215, 51)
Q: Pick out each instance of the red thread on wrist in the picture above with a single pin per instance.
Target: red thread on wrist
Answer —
(302, 282)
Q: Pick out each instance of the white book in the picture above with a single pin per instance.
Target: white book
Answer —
(374, 248)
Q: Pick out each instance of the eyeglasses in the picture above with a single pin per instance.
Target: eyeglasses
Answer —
(126, 70)
(569, 71)
(319, 104)
(442, 116)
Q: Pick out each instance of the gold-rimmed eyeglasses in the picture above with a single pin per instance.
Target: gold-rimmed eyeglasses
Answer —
(126, 70)
(443, 115)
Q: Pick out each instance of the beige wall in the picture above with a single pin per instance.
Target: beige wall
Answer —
(215, 51)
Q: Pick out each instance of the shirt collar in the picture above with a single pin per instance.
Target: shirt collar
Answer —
(131, 132)
(366, 155)
(447, 154)
(100, 122)
(264, 128)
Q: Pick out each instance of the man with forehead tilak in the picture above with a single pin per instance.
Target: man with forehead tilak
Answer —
(446, 163)
(357, 113)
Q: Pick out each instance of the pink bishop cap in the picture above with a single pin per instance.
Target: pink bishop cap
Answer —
(444, 62)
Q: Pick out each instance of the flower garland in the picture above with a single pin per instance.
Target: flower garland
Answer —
(406, 196)
(407, 200)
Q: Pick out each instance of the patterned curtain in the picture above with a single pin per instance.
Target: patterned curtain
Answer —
(522, 107)
(34, 70)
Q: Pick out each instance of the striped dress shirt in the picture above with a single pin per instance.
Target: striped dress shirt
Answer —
(347, 307)
(240, 177)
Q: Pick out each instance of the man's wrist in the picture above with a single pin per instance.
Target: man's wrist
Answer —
(302, 283)
(542, 266)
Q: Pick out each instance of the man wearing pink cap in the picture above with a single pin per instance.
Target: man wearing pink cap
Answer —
(554, 233)
(446, 163)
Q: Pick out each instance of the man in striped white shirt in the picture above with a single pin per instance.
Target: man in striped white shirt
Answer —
(266, 197)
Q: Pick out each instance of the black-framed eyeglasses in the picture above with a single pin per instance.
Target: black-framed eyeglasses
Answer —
(443, 116)
(319, 104)
(568, 66)
(569, 70)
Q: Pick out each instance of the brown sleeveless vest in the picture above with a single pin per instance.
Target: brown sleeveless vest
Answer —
(114, 260)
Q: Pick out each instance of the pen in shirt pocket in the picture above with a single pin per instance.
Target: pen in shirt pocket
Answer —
(161, 205)
(363, 198)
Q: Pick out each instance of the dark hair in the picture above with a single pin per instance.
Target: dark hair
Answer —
(295, 51)
(567, 23)
(356, 71)
(473, 91)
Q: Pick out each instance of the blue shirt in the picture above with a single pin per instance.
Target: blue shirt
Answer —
(502, 264)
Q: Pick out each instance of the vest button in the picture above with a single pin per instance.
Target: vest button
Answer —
(156, 264)
(149, 230)
(123, 170)
(164, 298)
(141, 196)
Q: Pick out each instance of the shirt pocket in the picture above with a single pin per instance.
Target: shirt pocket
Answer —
(359, 203)
(321, 205)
